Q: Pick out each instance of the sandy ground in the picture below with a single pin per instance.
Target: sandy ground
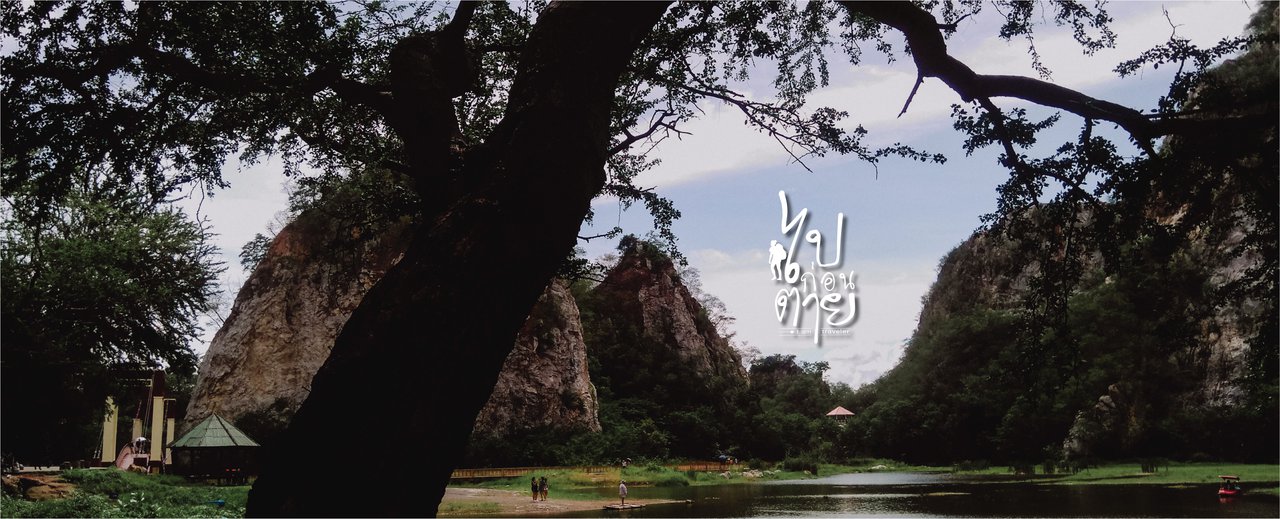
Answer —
(520, 503)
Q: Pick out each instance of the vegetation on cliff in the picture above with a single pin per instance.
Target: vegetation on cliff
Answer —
(1153, 334)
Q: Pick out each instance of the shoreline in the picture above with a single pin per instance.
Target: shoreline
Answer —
(473, 502)
(510, 497)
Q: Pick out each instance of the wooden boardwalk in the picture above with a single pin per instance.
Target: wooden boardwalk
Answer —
(511, 472)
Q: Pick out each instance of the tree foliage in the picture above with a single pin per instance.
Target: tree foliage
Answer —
(155, 96)
(1183, 244)
(107, 284)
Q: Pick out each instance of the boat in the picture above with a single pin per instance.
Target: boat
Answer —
(1230, 486)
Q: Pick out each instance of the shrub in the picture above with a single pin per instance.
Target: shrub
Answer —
(669, 479)
(1152, 465)
(799, 463)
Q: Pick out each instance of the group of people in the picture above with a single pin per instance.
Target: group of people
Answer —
(538, 486)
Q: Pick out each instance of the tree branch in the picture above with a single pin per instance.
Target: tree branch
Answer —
(929, 50)
(1015, 160)
(457, 26)
(752, 110)
(658, 121)
(912, 95)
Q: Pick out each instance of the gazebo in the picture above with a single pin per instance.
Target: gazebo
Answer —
(215, 448)
(840, 414)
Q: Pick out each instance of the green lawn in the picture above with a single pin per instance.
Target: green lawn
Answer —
(1253, 475)
(570, 484)
(1263, 478)
(171, 496)
(1174, 473)
(480, 508)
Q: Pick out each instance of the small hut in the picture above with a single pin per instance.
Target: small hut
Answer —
(840, 414)
(215, 448)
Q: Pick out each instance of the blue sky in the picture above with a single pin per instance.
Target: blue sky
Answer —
(725, 179)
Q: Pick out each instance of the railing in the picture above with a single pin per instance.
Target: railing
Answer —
(511, 472)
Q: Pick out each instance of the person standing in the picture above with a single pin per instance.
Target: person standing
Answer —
(542, 486)
(533, 487)
(622, 492)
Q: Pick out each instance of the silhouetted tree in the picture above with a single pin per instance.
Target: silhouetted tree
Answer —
(507, 122)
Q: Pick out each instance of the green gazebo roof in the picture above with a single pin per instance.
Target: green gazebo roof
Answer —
(214, 431)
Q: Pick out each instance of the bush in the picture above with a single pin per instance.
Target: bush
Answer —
(800, 463)
(758, 464)
(1152, 465)
(669, 479)
(1201, 457)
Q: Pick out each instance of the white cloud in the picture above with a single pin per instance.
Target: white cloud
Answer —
(874, 94)
(1138, 27)
(889, 297)
(718, 143)
(721, 145)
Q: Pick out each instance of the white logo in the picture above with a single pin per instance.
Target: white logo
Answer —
(833, 299)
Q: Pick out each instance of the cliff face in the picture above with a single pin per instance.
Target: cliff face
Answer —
(1226, 331)
(544, 382)
(663, 371)
(285, 318)
(1154, 345)
(645, 291)
(259, 366)
(982, 271)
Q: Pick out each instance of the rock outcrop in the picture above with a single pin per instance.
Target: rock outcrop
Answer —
(1212, 357)
(258, 369)
(259, 365)
(981, 271)
(645, 288)
(544, 382)
(646, 306)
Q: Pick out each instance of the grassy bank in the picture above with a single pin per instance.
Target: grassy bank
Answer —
(1174, 473)
(135, 495)
(571, 484)
(169, 496)
(1262, 478)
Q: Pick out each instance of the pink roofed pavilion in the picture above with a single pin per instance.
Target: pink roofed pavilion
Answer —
(840, 413)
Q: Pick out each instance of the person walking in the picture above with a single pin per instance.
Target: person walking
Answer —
(622, 492)
(533, 487)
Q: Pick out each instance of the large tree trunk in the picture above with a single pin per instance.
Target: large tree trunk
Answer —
(390, 412)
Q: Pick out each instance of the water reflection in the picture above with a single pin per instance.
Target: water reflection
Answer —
(928, 495)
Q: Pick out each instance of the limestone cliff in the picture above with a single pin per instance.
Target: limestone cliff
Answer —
(544, 382)
(1204, 363)
(651, 335)
(259, 366)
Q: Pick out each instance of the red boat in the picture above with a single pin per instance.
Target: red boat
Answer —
(1230, 486)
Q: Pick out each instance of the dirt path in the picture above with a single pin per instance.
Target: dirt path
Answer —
(470, 501)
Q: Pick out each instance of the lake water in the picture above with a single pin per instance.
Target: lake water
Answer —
(918, 495)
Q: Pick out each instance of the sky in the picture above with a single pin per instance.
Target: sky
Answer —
(899, 218)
